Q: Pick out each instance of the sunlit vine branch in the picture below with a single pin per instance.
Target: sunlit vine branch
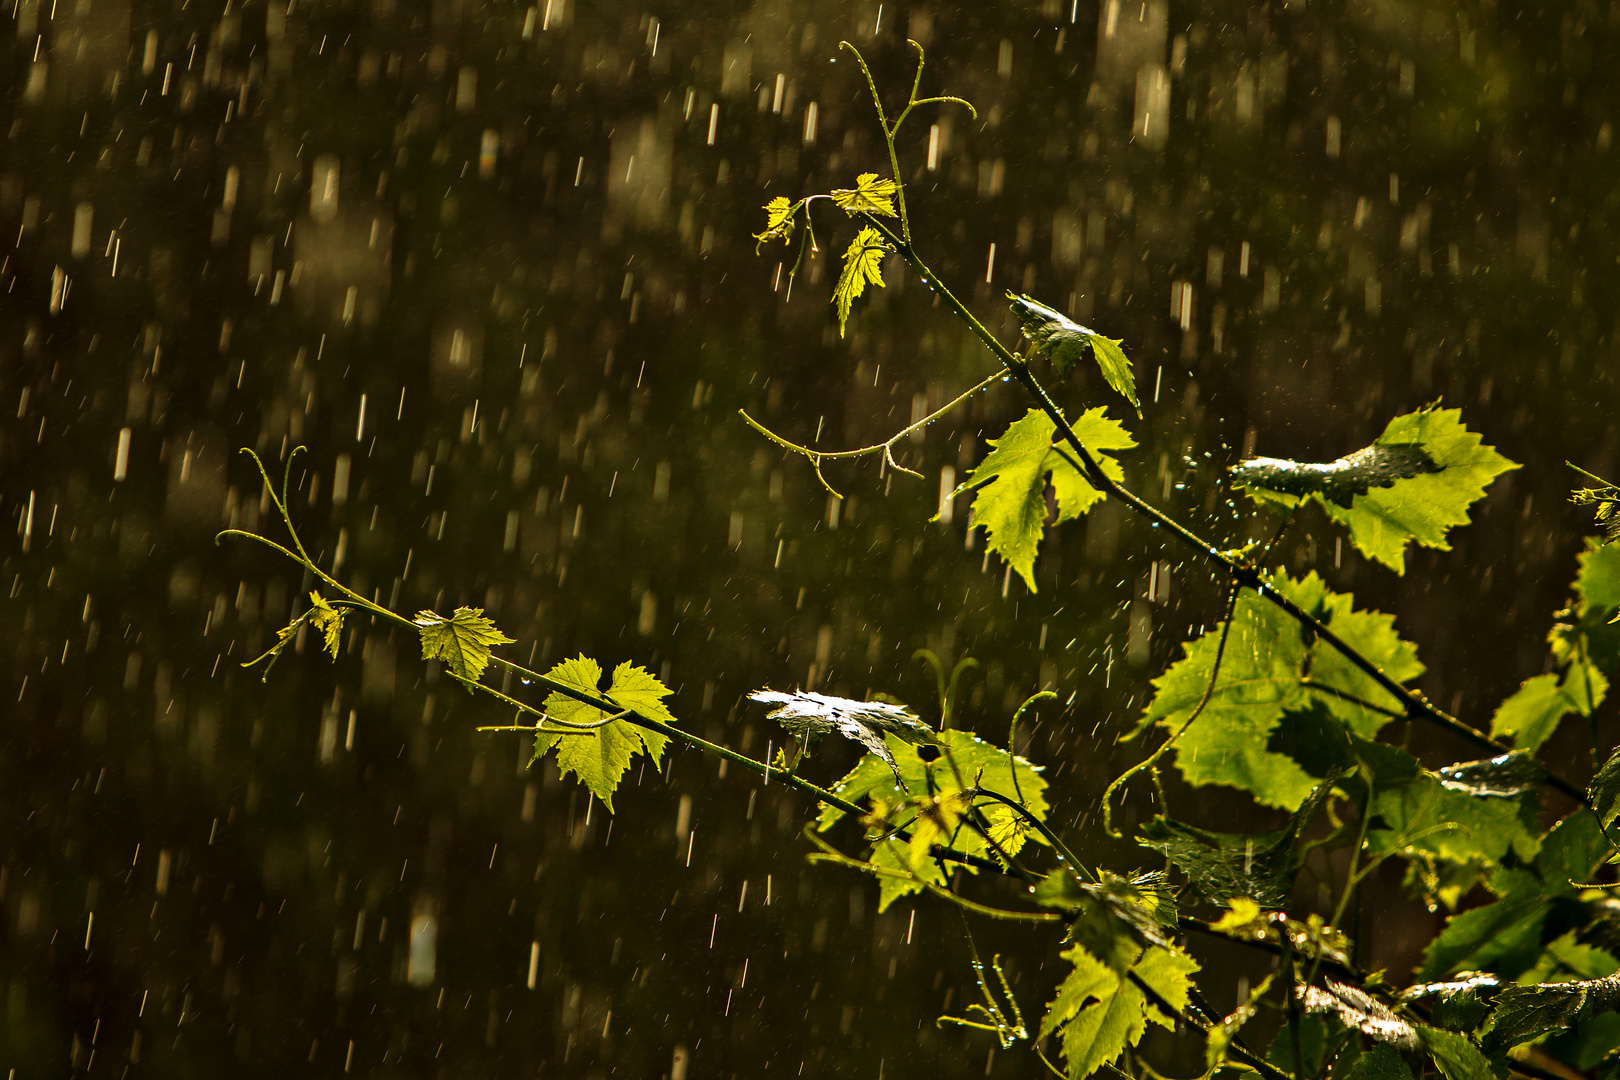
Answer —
(886, 447)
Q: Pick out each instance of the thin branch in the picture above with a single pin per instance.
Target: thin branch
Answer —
(886, 447)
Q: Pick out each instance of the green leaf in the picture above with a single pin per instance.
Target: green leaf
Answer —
(967, 761)
(863, 265)
(1605, 500)
(462, 641)
(808, 716)
(328, 620)
(1100, 1012)
(1457, 1056)
(1532, 713)
(1475, 816)
(1420, 476)
(1523, 1013)
(1011, 483)
(1505, 936)
(1604, 793)
(1117, 916)
(779, 221)
(1381, 1063)
(1598, 582)
(601, 757)
(869, 195)
(1260, 866)
(1263, 676)
(1063, 341)
(1360, 1011)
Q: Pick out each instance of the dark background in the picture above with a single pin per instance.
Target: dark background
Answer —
(503, 234)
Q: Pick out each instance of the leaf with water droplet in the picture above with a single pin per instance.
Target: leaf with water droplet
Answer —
(1415, 483)
(462, 641)
(808, 716)
(1063, 342)
(779, 221)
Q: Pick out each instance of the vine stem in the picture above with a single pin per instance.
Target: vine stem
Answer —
(886, 447)
(1417, 707)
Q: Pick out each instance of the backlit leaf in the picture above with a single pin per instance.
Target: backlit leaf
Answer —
(1263, 676)
(870, 194)
(1360, 1011)
(966, 761)
(601, 757)
(863, 265)
(1100, 1012)
(779, 220)
(462, 641)
(1457, 1055)
(1063, 342)
(1523, 1013)
(1011, 483)
(1415, 483)
(328, 620)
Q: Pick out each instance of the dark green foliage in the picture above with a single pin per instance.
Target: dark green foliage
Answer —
(1064, 342)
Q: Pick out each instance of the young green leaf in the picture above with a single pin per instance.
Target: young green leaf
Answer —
(863, 264)
(869, 195)
(1415, 483)
(808, 716)
(462, 641)
(600, 758)
(1605, 498)
(779, 221)
(1218, 1041)
(328, 620)
(1099, 1012)
(967, 761)
(284, 637)
(1011, 483)
(1063, 342)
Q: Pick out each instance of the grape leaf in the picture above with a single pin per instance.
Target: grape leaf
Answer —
(1604, 792)
(863, 264)
(1606, 498)
(1381, 1063)
(1260, 866)
(600, 758)
(808, 716)
(1011, 483)
(1360, 1011)
(1063, 341)
(1100, 1012)
(1421, 476)
(1270, 670)
(1457, 1055)
(328, 620)
(779, 221)
(1523, 1013)
(869, 195)
(1505, 936)
(1337, 481)
(968, 761)
(462, 641)
(1532, 713)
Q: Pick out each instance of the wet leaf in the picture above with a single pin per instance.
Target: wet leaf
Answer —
(869, 195)
(863, 265)
(1011, 483)
(1605, 502)
(462, 641)
(1523, 1013)
(1338, 481)
(1360, 1011)
(1063, 342)
(601, 757)
(779, 220)
(1456, 1055)
(1381, 1063)
(1219, 1038)
(808, 716)
(328, 620)
(1099, 1012)
(1260, 866)
(1421, 475)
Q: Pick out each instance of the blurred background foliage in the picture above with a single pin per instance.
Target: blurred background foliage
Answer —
(492, 264)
